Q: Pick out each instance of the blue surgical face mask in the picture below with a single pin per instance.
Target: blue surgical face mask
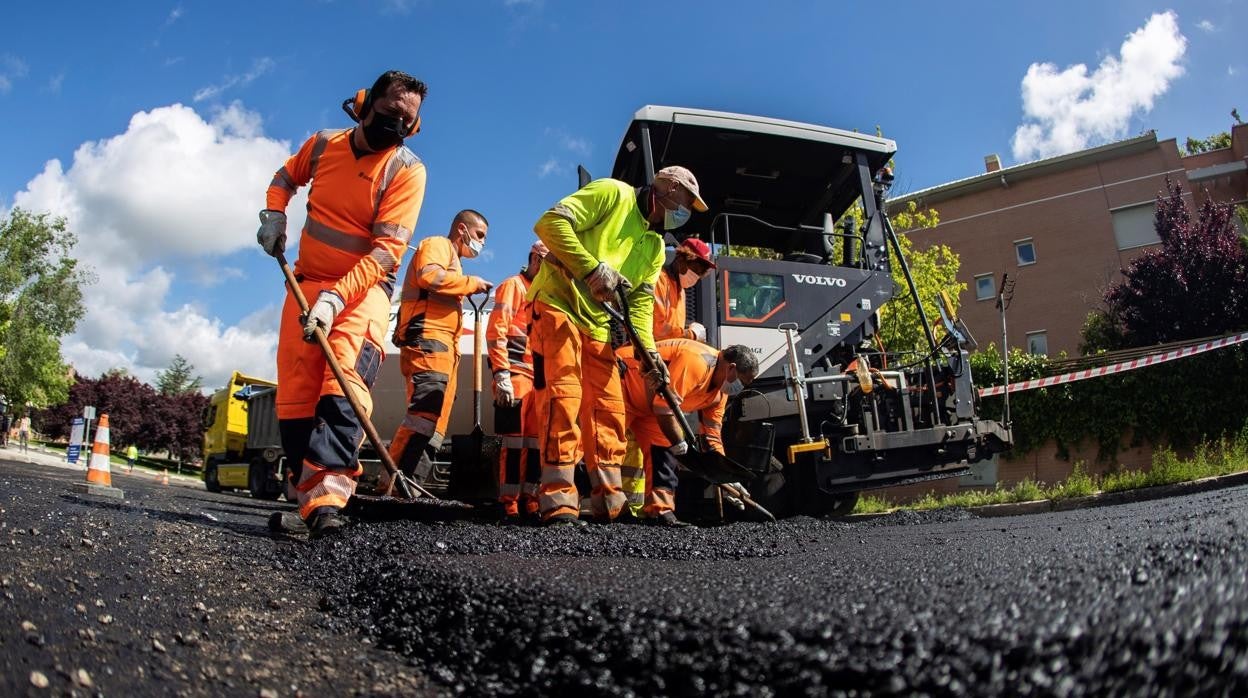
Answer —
(732, 387)
(673, 219)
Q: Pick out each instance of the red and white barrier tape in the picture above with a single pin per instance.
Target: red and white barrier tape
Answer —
(1116, 368)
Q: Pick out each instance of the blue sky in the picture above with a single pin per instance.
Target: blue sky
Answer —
(155, 127)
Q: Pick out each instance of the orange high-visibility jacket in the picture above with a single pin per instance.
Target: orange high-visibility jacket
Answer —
(508, 331)
(361, 210)
(433, 295)
(669, 308)
(691, 365)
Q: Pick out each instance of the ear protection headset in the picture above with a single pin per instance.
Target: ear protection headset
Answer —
(357, 108)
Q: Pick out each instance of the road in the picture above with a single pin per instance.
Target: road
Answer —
(179, 591)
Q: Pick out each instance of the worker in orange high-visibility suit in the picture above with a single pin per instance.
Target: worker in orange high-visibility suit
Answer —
(365, 199)
(691, 263)
(702, 380)
(515, 408)
(600, 239)
(430, 323)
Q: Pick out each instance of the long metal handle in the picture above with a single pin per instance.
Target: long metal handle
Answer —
(369, 430)
(795, 379)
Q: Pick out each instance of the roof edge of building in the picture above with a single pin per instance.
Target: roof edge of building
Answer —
(1028, 170)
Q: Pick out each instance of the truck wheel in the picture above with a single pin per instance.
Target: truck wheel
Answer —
(258, 482)
(211, 483)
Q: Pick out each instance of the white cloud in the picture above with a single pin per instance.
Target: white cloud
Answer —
(259, 67)
(174, 15)
(1072, 109)
(551, 166)
(11, 68)
(1206, 25)
(54, 83)
(155, 206)
(1231, 71)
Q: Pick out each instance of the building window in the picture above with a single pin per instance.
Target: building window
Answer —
(1025, 251)
(1133, 226)
(985, 287)
(1038, 343)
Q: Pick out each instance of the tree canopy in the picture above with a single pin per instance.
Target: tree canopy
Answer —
(1194, 285)
(40, 302)
(179, 378)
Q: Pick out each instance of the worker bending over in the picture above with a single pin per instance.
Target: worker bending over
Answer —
(363, 205)
(601, 238)
(691, 263)
(427, 333)
(702, 380)
(515, 406)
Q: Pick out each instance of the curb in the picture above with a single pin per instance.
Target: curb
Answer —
(1041, 506)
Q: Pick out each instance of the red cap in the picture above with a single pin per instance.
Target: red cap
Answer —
(698, 249)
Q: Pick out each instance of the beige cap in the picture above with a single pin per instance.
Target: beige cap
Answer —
(684, 178)
(539, 248)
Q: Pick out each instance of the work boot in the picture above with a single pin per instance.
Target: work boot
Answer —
(668, 520)
(564, 521)
(287, 522)
(326, 521)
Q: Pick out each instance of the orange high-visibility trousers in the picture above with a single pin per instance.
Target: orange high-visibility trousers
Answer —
(307, 389)
(519, 464)
(429, 369)
(572, 373)
(659, 465)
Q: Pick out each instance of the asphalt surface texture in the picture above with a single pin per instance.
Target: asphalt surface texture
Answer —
(178, 591)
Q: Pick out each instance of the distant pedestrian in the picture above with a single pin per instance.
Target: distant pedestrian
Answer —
(6, 423)
(132, 454)
(23, 432)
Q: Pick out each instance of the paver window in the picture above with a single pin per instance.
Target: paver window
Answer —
(753, 296)
(1025, 251)
(1038, 343)
(985, 287)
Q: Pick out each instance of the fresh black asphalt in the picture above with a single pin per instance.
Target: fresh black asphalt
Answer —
(1137, 599)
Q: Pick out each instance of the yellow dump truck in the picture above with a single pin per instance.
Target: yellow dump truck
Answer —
(242, 447)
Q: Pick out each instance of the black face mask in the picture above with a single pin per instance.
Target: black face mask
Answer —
(384, 131)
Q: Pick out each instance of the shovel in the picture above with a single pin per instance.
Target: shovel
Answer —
(405, 486)
(468, 462)
(707, 464)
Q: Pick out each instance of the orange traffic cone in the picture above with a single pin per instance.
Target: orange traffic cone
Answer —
(99, 471)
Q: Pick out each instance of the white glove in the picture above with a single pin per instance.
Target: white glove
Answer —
(603, 281)
(504, 393)
(482, 284)
(322, 313)
(698, 330)
(732, 499)
(679, 449)
(272, 232)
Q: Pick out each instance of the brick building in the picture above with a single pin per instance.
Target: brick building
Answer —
(1064, 228)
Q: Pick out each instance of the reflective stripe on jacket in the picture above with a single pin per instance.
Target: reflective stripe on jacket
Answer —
(507, 334)
(361, 210)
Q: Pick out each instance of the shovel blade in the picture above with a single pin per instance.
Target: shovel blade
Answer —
(713, 467)
(474, 475)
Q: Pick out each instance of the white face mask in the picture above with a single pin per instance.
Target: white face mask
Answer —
(732, 387)
(470, 248)
(688, 278)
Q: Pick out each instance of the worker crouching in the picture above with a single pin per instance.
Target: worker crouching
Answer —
(702, 379)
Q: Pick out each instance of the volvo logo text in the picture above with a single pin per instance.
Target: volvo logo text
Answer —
(819, 280)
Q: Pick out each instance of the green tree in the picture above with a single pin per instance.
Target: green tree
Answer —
(1217, 141)
(179, 378)
(40, 302)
